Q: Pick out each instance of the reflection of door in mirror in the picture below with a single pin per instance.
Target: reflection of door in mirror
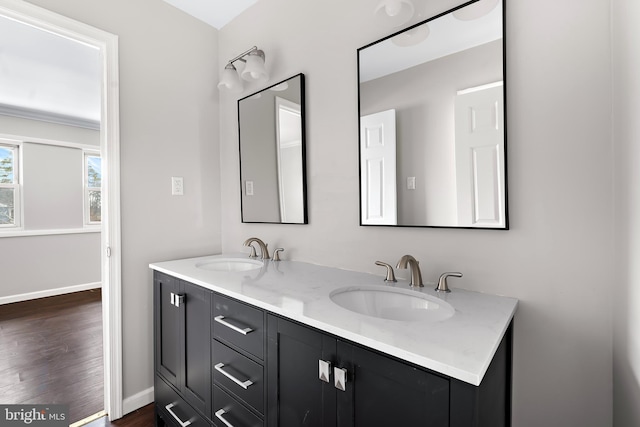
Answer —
(378, 168)
(289, 158)
(479, 147)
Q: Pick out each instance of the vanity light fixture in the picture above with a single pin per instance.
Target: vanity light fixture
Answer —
(394, 12)
(254, 70)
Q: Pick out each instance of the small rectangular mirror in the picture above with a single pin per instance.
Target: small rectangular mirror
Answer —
(272, 154)
(432, 122)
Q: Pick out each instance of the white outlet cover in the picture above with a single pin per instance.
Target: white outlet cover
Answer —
(177, 186)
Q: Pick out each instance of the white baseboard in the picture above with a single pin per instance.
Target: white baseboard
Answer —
(137, 401)
(49, 293)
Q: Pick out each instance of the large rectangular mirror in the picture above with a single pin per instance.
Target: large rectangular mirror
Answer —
(272, 154)
(432, 122)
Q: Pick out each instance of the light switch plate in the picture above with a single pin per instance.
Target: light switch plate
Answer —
(177, 186)
(248, 188)
(411, 183)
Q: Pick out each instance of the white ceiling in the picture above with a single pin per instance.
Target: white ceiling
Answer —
(44, 73)
(216, 13)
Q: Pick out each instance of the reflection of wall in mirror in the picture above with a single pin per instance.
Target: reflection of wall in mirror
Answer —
(258, 154)
(424, 98)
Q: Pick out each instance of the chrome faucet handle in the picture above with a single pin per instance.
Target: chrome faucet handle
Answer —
(443, 286)
(253, 253)
(276, 254)
(391, 277)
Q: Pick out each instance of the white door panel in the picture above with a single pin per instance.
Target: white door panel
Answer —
(378, 164)
(480, 156)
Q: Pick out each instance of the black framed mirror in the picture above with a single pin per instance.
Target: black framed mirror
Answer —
(432, 139)
(273, 181)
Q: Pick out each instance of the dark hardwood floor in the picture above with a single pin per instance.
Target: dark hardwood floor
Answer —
(51, 353)
(143, 417)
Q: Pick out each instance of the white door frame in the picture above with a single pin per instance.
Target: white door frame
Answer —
(110, 152)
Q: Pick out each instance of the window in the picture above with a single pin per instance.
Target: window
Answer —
(9, 186)
(93, 188)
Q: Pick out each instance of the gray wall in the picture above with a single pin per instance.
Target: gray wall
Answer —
(39, 265)
(626, 281)
(558, 256)
(168, 127)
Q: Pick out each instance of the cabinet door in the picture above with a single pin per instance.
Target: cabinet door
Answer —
(381, 391)
(167, 328)
(296, 395)
(196, 346)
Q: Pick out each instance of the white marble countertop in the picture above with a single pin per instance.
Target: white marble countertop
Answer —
(461, 346)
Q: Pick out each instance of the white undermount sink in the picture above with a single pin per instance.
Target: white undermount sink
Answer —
(385, 302)
(230, 264)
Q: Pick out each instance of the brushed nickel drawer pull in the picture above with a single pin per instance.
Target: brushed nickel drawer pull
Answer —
(173, 414)
(244, 384)
(220, 319)
(219, 415)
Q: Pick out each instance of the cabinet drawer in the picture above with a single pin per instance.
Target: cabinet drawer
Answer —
(173, 409)
(228, 412)
(238, 324)
(231, 368)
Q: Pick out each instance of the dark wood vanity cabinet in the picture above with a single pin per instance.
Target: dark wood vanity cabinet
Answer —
(377, 391)
(182, 331)
(224, 363)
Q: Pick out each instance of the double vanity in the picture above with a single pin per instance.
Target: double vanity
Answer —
(244, 342)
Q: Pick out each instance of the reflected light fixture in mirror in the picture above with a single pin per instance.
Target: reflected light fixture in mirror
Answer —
(412, 37)
(476, 10)
(394, 13)
(254, 70)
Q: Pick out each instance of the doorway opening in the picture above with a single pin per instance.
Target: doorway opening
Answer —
(110, 261)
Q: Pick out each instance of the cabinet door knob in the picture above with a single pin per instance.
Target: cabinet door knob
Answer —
(173, 414)
(324, 370)
(340, 378)
(219, 415)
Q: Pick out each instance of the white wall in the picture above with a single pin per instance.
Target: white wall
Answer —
(558, 256)
(626, 368)
(168, 127)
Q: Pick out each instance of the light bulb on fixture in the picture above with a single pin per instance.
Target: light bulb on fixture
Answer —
(254, 68)
(230, 79)
(394, 12)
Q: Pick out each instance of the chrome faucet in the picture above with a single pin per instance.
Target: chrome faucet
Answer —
(264, 252)
(416, 275)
